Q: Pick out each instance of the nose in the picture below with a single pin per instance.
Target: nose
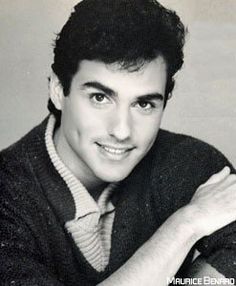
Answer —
(120, 125)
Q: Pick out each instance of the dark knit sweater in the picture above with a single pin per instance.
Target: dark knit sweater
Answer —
(35, 248)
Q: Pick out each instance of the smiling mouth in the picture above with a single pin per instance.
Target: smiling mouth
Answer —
(119, 152)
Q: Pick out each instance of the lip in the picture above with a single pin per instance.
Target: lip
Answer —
(114, 152)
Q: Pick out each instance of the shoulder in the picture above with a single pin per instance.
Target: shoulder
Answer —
(17, 152)
(15, 161)
(179, 149)
(179, 164)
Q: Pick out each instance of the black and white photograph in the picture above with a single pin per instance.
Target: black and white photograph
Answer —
(117, 146)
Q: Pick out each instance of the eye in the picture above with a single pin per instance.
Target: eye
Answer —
(145, 105)
(99, 98)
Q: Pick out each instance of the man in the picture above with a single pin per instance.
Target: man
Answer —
(98, 194)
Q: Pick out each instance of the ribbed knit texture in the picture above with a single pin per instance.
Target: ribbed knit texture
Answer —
(92, 224)
(35, 204)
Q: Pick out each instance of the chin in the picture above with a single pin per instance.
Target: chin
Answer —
(114, 177)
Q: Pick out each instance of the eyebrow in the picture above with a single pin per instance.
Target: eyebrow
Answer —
(110, 92)
(99, 86)
(151, 96)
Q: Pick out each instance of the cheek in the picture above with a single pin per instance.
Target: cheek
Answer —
(87, 121)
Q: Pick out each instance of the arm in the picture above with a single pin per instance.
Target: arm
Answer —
(21, 263)
(161, 256)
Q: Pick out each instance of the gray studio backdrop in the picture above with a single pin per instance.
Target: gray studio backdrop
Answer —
(204, 100)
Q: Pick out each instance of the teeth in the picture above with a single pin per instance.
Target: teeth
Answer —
(114, 151)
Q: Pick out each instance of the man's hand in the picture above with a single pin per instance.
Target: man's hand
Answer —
(213, 206)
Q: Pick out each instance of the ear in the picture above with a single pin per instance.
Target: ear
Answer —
(56, 91)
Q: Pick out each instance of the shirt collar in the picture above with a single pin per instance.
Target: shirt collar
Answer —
(84, 202)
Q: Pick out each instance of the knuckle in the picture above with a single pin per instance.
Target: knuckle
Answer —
(214, 176)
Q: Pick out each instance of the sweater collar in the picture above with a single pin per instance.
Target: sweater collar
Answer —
(84, 202)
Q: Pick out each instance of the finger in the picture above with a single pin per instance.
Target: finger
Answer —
(218, 177)
(229, 182)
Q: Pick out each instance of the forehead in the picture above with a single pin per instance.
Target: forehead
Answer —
(151, 77)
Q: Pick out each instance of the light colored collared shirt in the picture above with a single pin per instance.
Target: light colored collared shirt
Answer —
(91, 227)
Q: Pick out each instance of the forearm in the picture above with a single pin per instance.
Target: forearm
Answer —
(160, 257)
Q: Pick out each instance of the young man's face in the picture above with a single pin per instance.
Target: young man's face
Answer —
(110, 119)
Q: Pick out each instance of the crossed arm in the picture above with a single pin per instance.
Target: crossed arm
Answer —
(162, 255)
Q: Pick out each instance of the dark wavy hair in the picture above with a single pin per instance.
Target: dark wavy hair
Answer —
(127, 32)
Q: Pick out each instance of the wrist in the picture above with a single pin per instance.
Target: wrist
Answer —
(188, 220)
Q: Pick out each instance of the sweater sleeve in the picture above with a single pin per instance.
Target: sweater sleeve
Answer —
(186, 165)
(219, 249)
(21, 260)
